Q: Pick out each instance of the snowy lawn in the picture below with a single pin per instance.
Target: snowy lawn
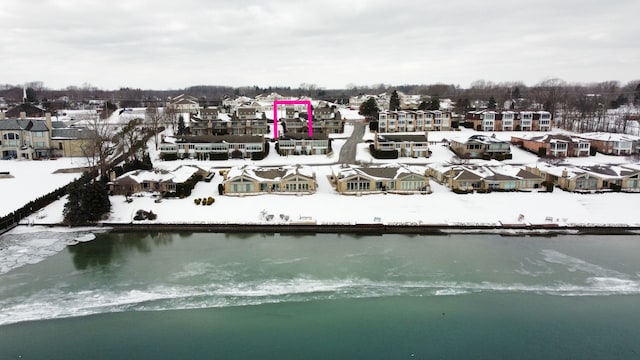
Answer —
(32, 179)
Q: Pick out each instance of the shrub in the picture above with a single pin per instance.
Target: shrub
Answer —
(383, 154)
(169, 157)
(220, 189)
(210, 200)
(197, 201)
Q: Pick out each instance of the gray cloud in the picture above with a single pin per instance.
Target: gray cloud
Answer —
(170, 44)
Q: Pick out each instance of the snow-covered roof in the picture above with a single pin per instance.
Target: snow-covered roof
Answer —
(381, 172)
(263, 174)
(179, 175)
(609, 136)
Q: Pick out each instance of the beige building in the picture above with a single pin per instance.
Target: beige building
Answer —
(484, 178)
(401, 179)
(244, 180)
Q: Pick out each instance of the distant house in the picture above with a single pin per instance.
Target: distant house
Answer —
(25, 110)
(210, 121)
(406, 145)
(481, 147)
(184, 104)
(327, 120)
(351, 179)
(248, 121)
(213, 147)
(612, 144)
(255, 180)
(487, 178)
(303, 144)
(414, 121)
(555, 145)
(509, 120)
(153, 181)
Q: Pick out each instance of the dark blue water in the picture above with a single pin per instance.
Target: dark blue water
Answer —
(149, 296)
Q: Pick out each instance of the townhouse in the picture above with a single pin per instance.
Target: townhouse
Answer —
(590, 178)
(414, 121)
(244, 180)
(467, 178)
(481, 147)
(248, 121)
(401, 179)
(211, 121)
(554, 145)
(303, 144)
(508, 120)
(406, 145)
(213, 147)
(612, 144)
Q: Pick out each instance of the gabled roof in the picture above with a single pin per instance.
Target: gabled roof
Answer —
(23, 124)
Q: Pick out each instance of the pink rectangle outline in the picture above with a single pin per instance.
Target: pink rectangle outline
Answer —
(291, 102)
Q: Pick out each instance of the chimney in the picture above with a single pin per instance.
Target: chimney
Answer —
(2, 115)
(23, 115)
(47, 119)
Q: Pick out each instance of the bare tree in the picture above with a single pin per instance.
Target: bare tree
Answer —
(101, 148)
(170, 117)
(154, 118)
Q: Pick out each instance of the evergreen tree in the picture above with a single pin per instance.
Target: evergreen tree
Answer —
(181, 128)
(369, 108)
(636, 98)
(87, 203)
(516, 93)
(423, 106)
(72, 212)
(434, 104)
(492, 103)
(394, 101)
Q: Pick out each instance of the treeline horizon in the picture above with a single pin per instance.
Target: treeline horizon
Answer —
(547, 92)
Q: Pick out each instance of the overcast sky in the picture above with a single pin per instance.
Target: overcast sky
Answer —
(330, 43)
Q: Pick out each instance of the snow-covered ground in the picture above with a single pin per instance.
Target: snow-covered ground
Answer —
(328, 207)
(32, 179)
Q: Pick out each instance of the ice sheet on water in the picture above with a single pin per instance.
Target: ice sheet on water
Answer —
(32, 245)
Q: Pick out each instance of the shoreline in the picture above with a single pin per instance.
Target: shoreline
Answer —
(370, 229)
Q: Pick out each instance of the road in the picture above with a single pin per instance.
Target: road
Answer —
(348, 151)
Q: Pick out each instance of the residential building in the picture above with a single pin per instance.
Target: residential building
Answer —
(414, 121)
(554, 145)
(245, 180)
(161, 181)
(467, 178)
(481, 147)
(248, 121)
(407, 145)
(303, 144)
(214, 147)
(210, 122)
(327, 120)
(184, 104)
(509, 120)
(401, 179)
(25, 138)
(72, 142)
(613, 144)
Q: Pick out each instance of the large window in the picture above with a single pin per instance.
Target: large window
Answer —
(358, 184)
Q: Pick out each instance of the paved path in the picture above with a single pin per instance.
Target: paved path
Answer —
(348, 151)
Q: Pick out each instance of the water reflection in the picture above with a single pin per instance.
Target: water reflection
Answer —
(107, 248)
